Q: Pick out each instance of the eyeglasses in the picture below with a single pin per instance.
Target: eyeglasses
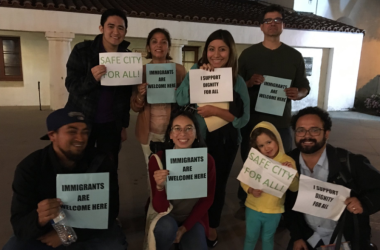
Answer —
(187, 130)
(270, 20)
(312, 131)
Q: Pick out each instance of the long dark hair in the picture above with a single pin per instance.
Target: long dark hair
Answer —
(167, 36)
(198, 142)
(227, 38)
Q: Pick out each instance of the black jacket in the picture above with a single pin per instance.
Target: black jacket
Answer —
(366, 180)
(84, 90)
(35, 180)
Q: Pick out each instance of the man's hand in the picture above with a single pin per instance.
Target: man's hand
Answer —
(354, 205)
(180, 232)
(160, 178)
(124, 134)
(51, 239)
(256, 79)
(299, 245)
(207, 111)
(47, 210)
(98, 72)
(255, 192)
(294, 93)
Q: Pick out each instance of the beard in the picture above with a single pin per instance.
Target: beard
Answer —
(311, 149)
(73, 156)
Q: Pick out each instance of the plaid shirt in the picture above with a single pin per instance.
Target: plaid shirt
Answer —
(84, 90)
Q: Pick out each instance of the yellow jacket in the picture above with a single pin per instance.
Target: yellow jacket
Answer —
(268, 203)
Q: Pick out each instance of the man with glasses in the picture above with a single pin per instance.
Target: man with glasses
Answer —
(317, 159)
(272, 58)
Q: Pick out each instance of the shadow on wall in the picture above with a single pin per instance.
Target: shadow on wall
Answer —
(372, 87)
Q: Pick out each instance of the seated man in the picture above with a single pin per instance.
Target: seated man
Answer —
(35, 201)
(317, 159)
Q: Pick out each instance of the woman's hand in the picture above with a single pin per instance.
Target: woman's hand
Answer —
(207, 111)
(255, 192)
(160, 178)
(207, 67)
(142, 89)
(180, 232)
(288, 164)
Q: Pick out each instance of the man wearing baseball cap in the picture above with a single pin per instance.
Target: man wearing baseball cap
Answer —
(34, 202)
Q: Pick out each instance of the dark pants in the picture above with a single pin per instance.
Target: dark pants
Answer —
(112, 239)
(224, 152)
(320, 243)
(107, 138)
(286, 137)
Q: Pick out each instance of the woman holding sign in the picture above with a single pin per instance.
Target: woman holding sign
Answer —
(153, 119)
(222, 143)
(186, 220)
(263, 212)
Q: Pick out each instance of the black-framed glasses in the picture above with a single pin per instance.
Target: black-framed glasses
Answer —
(276, 20)
(186, 130)
(312, 131)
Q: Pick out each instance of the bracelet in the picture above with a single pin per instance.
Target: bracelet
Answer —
(159, 189)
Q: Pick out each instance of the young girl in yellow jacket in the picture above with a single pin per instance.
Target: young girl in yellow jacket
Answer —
(263, 212)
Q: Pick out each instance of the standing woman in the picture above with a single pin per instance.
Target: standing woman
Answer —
(153, 119)
(223, 143)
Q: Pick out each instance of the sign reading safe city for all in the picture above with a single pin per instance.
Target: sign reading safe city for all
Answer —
(272, 97)
(321, 199)
(84, 197)
(260, 172)
(211, 86)
(161, 79)
(122, 68)
(187, 177)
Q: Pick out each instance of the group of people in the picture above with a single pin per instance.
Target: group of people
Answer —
(86, 136)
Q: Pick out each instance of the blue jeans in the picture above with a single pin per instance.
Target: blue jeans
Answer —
(112, 239)
(257, 222)
(166, 230)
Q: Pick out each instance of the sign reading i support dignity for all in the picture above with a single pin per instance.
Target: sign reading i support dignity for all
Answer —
(161, 79)
(187, 177)
(272, 98)
(260, 172)
(321, 199)
(84, 197)
(211, 86)
(122, 68)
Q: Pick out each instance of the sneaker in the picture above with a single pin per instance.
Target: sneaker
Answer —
(212, 243)
(240, 214)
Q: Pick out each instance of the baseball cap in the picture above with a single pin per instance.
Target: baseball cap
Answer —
(62, 117)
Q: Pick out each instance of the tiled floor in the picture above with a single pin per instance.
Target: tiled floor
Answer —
(21, 127)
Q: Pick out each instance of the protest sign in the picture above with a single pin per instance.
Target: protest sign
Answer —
(260, 172)
(84, 197)
(321, 199)
(211, 86)
(122, 68)
(188, 173)
(272, 97)
(161, 79)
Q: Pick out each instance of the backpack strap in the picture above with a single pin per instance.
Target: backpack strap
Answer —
(95, 164)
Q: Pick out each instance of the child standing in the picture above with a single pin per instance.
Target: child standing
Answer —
(263, 212)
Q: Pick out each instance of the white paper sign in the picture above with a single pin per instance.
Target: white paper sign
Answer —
(211, 86)
(261, 172)
(85, 199)
(321, 199)
(123, 68)
(272, 98)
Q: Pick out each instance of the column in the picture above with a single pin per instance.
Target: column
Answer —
(176, 49)
(59, 52)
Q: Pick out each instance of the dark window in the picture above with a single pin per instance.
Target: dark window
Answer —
(10, 59)
(189, 56)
